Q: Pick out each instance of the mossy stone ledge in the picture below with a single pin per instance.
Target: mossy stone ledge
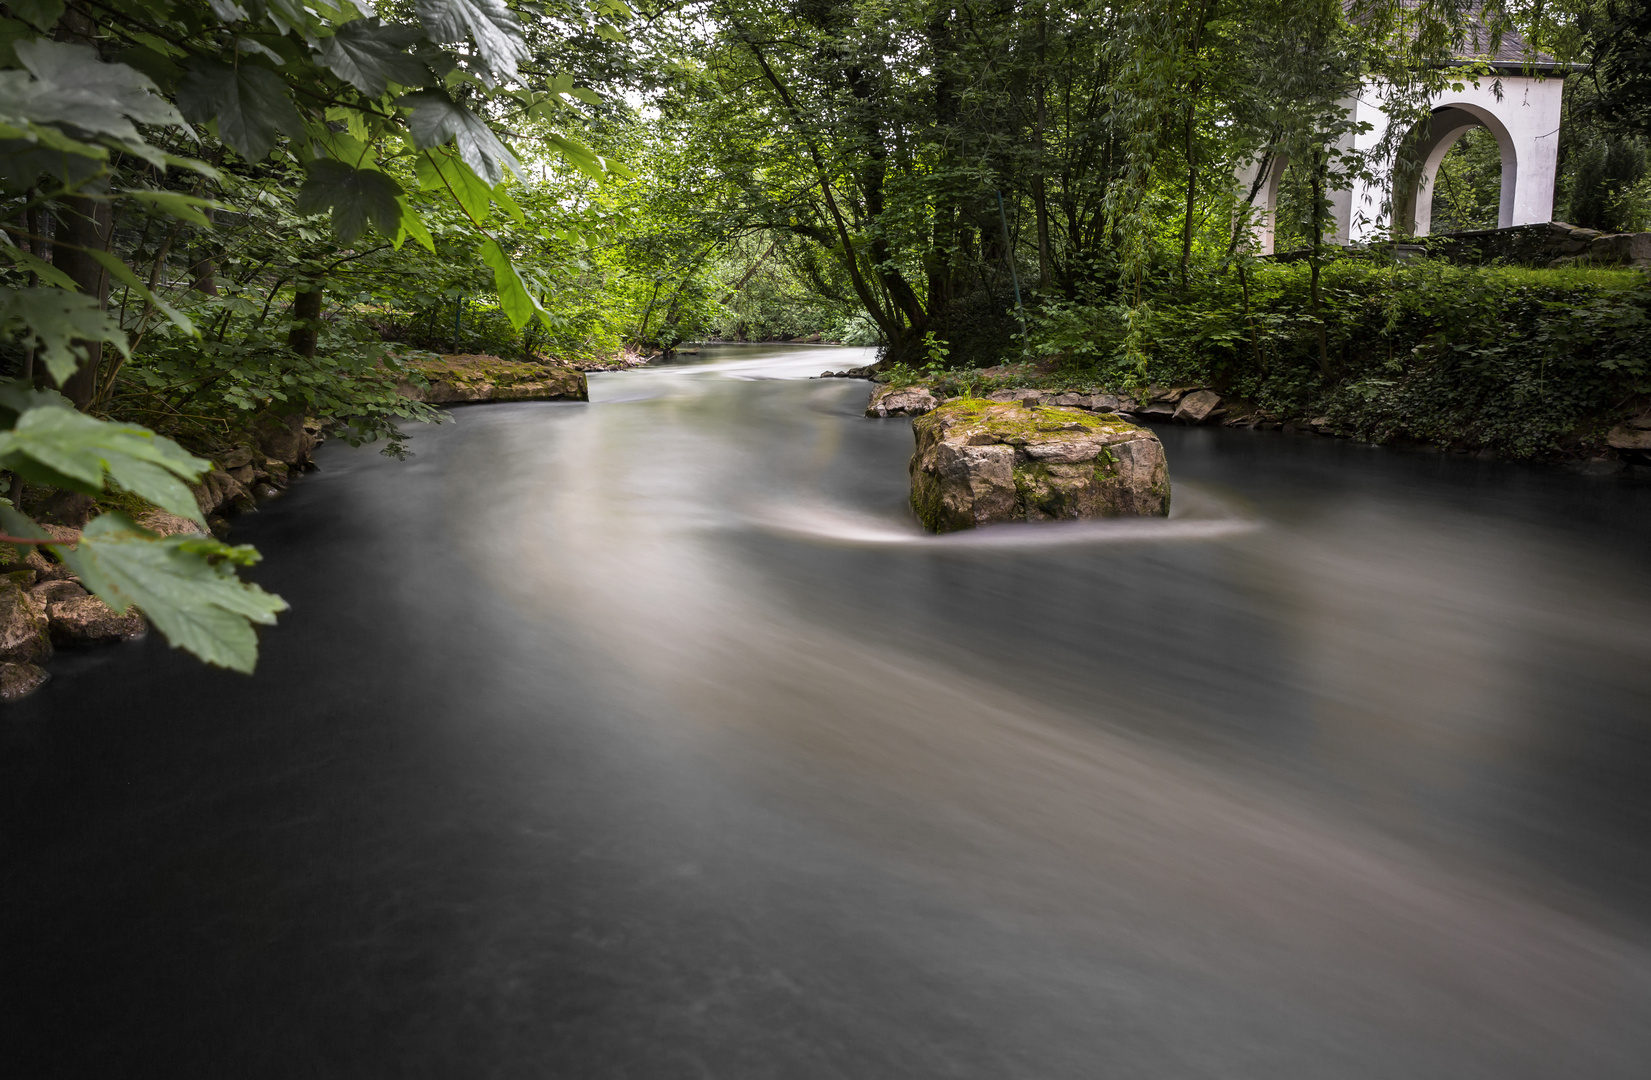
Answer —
(979, 462)
(468, 377)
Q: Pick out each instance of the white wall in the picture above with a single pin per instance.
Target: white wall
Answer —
(1524, 119)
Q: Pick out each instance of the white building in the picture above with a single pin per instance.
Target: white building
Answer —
(1519, 107)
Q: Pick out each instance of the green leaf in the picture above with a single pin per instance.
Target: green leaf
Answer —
(437, 118)
(249, 45)
(508, 205)
(589, 97)
(24, 161)
(61, 322)
(185, 585)
(518, 304)
(194, 165)
(603, 30)
(83, 448)
(250, 104)
(413, 225)
(48, 273)
(176, 203)
(121, 272)
(42, 14)
(12, 32)
(72, 86)
(355, 196)
(497, 32)
(578, 155)
(370, 55)
(439, 169)
(17, 398)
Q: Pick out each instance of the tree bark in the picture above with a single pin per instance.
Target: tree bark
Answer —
(306, 313)
(85, 226)
(1315, 261)
(203, 273)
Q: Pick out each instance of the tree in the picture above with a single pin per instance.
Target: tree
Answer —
(127, 120)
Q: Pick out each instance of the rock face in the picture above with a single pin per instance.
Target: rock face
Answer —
(479, 377)
(979, 462)
(907, 401)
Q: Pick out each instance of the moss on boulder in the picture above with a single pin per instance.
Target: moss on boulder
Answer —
(481, 377)
(979, 462)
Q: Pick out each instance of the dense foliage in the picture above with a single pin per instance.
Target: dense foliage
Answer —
(1515, 360)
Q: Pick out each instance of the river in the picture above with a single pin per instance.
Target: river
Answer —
(651, 738)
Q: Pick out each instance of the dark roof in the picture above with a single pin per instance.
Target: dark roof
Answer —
(1509, 52)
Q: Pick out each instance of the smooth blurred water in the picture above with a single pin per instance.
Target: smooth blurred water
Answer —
(651, 738)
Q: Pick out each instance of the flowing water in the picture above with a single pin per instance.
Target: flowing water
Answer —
(651, 738)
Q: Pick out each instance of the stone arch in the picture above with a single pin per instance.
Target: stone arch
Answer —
(1264, 225)
(1425, 150)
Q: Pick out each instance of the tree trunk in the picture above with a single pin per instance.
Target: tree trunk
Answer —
(306, 314)
(1192, 186)
(1194, 48)
(1315, 260)
(203, 273)
(85, 224)
(1040, 198)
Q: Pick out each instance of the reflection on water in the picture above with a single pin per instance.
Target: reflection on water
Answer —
(653, 738)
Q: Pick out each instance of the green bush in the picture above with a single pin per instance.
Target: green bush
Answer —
(1521, 361)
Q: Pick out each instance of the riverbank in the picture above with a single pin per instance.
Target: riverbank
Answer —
(44, 608)
(1620, 435)
(1523, 363)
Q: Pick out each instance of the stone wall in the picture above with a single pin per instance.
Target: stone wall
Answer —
(1552, 243)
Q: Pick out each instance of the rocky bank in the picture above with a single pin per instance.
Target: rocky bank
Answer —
(44, 608)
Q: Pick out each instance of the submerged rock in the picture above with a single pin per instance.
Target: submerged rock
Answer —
(19, 680)
(906, 401)
(979, 462)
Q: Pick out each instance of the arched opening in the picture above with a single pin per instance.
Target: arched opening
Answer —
(1467, 189)
(1448, 166)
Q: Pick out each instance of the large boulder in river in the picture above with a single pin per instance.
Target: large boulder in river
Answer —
(979, 462)
(479, 377)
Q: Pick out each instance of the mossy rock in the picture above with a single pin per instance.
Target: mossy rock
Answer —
(469, 377)
(979, 462)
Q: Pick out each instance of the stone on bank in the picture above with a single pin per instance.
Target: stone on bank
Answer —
(979, 462)
(470, 377)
